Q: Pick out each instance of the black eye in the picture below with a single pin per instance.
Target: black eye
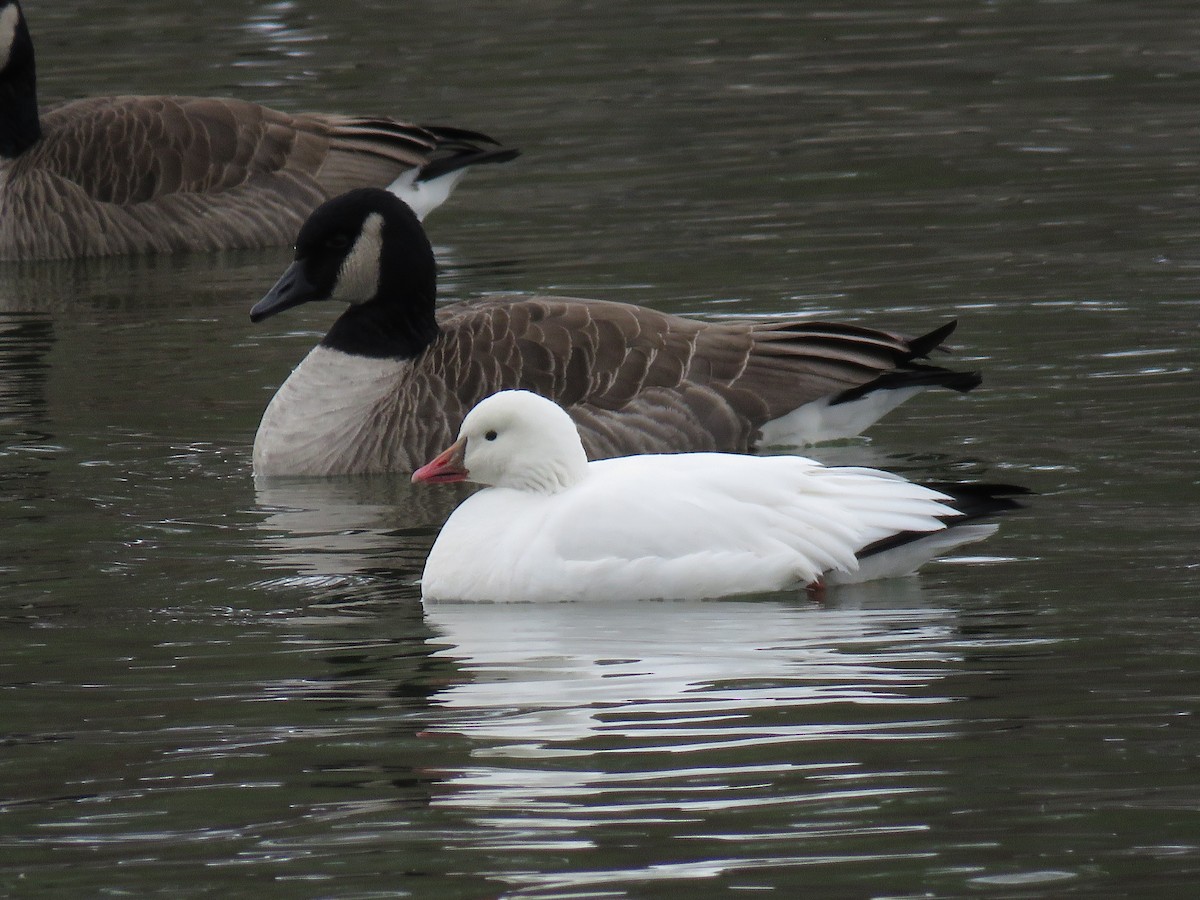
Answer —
(337, 242)
(490, 436)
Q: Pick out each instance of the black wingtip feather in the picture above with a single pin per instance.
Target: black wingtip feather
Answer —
(925, 344)
(450, 133)
(446, 165)
(912, 375)
(977, 500)
(974, 500)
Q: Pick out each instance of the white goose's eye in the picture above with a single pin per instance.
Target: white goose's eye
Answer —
(490, 436)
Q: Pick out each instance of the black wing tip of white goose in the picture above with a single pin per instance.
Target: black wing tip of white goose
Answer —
(980, 499)
(974, 501)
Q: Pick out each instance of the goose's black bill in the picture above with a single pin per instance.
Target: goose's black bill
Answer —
(292, 289)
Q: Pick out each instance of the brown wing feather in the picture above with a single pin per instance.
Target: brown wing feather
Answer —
(207, 145)
(134, 174)
(636, 380)
(808, 360)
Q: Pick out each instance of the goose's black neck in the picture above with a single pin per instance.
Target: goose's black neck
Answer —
(400, 321)
(19, 125)
(379, 330)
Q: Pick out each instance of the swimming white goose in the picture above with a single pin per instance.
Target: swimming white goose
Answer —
(391, 381)
(110, 175)
(553, 526)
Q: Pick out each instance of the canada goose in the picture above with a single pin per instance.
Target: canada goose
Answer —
(550, 525)
(392, 379)
(111, 175)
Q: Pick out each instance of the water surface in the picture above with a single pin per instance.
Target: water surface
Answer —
(215, 686)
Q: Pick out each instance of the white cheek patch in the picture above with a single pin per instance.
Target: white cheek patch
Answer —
(8, 31)
(358, 278)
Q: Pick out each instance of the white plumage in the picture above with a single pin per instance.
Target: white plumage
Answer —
(552, 526)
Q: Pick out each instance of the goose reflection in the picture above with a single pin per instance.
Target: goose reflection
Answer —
(26, 438)
(114, 286)
(332, 530)
(543, 679)
(692, 713)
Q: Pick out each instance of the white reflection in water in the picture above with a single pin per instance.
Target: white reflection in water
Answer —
(321, 531)
(548, 687)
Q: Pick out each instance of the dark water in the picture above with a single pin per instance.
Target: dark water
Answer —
(212, 687)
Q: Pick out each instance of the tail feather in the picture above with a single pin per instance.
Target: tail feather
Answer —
(972, 501)
(912, 375)
(867, 358)
(906, 558)
(436, 149)
(922, 346)
(977, 500)
(475, 157)
(463, 135)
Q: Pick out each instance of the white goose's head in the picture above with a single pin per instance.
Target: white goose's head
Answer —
(513, 439)
(365, 248)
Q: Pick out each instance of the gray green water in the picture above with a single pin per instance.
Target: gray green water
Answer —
(212, 687)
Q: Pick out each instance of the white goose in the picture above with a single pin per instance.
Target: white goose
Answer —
(138, 174)
(552, 526)
(390, 383)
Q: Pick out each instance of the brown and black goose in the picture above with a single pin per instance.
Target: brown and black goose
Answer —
(393, 378)
(139, 174)
(390, 383)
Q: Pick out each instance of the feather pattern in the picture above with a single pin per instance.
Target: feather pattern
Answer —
(634, 380)
(136, 174)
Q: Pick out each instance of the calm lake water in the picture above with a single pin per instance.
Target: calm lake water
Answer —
(210, 687)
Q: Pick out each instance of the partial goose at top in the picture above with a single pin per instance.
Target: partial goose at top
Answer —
(550, 525)
(393, 378)
(142, 174)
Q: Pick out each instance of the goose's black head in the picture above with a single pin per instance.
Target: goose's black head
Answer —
(365, 248)
(19, 126)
